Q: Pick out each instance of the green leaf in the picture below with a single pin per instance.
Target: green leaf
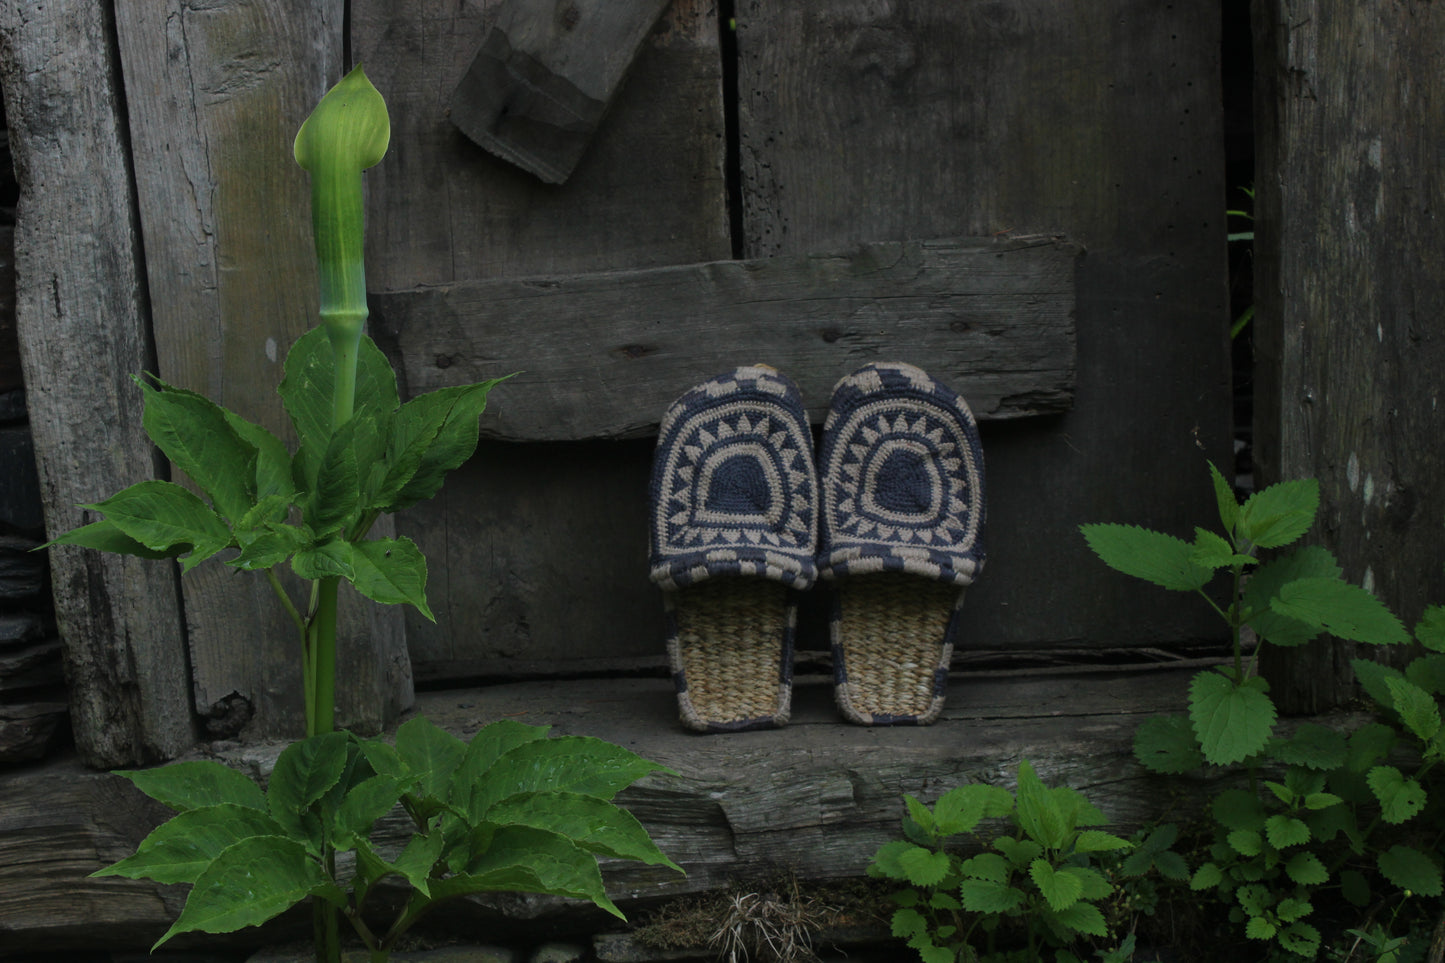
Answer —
(331, 559)
(273, 461)
(485, 748)
(1060, 889)
(909, 922)
(961, 809)
(1301, 939)
(523, 859)
(273, 546)
(1374, 679)
(1428, 672)
(1401, 797)
(184, 786)
(1279, 514)
(391, 571)
(305, 771)
(1313, 746)
(336, 493)
(1266, 581)
(593, 824)
(986, 896)
(181, 848)
(1224, 497)
(163, 516)
(1410, 869)
(430, 753)
(247, 884)
(1369, 743)
(1430, 632)
(989, 866)
(1286, 831)
(362, 806)
(1342, 609)
(887, 862)
(1213, 552)
(1306, 869)
(922, 867)
(194, 433)
(1097, 841)
(1238, 809)
(1417, 708)
(1166, 744)
(1083, 918)
(104, 536)
(1205, 877)
(1019, 852)
(1246, 842)
(1232, 722)
(307, 386)
(578, 764)
(431, 435)
(1153, 556)
(1038, 814)
(1259, 928)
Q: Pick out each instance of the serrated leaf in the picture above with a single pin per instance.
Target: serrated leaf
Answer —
(1370, 742)
(1268, 579)
(1408, 868)
(104, 536)
(391, 571)
(1038, 814)
(986, 896)
(989, 866)
(328, 560)
(1213, 552)
(1232, 722)
(1083, 918)
(1417, 708)
(194, 785)
(1278, 515)
(1059, 889)
(1342, 609)
(908, 922)
(1373, 678)
(304, 772)
(1301, 939)
(1285, 831)
(273, 462)
(268, 548)
(1166, 744)
(924, 867)
(1428, 672)
(431, 754)
(1246, 842)
(1238, 809)
(1224, 498)
(1259, 928)
(1153, 556)
(1097, 841)
(163, 516)
(523, 859)
(1430, 631)
(578, 764)
(1401, 797)
(247, 884)
(431, 435)
(593, 824)
(1019, 852)
(1313, 746)
(961, 809)
(195, 434)
(362, 806)
(1207, 876)
(886, 862)
(181, 848)
(1171, 865)
(1306, 869)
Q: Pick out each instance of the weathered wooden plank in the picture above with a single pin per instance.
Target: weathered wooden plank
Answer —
(817, 797)
(868, 121)
(1350, 300)
(545, 76)
(603, 355)
(81, 322)
(215, 93)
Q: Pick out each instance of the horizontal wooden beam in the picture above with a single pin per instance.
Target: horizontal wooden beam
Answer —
(603, 355)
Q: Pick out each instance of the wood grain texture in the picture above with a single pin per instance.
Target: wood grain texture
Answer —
(1350, 295)
(603, 355)
(216, 92)
(818, 797)
(81, 322)
(1098, 121)
(545, 76)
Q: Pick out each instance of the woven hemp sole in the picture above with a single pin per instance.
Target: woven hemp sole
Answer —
(891, 634)
(730, 638)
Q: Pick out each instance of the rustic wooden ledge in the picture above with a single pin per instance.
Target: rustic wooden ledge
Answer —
(817, 798)
(602, 355)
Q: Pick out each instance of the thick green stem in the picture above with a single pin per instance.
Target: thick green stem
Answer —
(322, 662)
(326, 931)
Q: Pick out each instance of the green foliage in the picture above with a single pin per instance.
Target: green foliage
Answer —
(1044, 875)
(511, 810)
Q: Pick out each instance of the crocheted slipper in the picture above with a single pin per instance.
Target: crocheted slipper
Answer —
(902, 520)
(734, 535)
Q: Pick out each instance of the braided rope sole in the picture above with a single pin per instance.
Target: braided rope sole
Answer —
(731, 652)
(892, 636)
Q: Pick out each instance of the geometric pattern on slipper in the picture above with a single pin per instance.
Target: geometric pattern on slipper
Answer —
(902, 478)
(734, 489)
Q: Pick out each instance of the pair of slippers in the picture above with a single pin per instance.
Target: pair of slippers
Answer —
(891, 515)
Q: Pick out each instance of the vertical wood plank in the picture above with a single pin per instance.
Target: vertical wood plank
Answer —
(80, 317)
(866, 121)
(540, 551)
(215, 93)
(1350, 293)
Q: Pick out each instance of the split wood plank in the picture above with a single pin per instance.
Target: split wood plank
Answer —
(1350, 295)
(545, 76)
(82, 332)
(215, 94)
(817, 797)
(603, 355)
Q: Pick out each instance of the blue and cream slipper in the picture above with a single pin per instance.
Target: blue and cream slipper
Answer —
(902, 524)
(733, 540)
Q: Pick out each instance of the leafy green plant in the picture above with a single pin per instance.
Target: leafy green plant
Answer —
(1325, 809)
(1043, 875)
(511, 810)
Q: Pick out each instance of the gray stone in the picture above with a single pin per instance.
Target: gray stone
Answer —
(622, 948)
(17, 628)
(558, 953)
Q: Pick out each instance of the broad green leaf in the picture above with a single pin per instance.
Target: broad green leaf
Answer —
(1259, 928)
(194, 785)
(565, 764)
(1374, 679)
(1019, 852)
(106, 537)
(1279, 514)
(921, 815)
(1205, 877)
(1254, 898)
(307, 386)
(391, 571)
(1430, 632)
(1038, 814)
(1417, 708)
(1097, 841)
(1266, 581)
(1238, 809)
(1246, 842)
(247, 884)
(888, 861)
(1213, 552)
(1401, 797)
(986, 896)
(273, 461)
(1166, 744)
(489, 744)
(1224, 497)
(1306, 869)
(194, 433)
(1286, 831)
(432, 435)
(336, 494)
(430, 753)
(162, 515)
(1153, 556)
(908, 922)
(596, 825)
(362, 806)
(331, 559)
(1342, 609)
(1232, 722)
(181, 848)
(269, 510)
(1428, 672)
(1301, 939)
(524, 859)
(1410, 869)
(271, 547)
(922, 867)
(989, 866)
(1313, 746)
(1083, 918)
(305, 771)
(961, 809)
(1061, 890)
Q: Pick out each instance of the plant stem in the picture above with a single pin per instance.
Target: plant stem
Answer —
(321, 716)
(325, 931)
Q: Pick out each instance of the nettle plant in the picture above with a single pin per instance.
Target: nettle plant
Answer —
(511, 810)
(1324, 809)
(1043, 877)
